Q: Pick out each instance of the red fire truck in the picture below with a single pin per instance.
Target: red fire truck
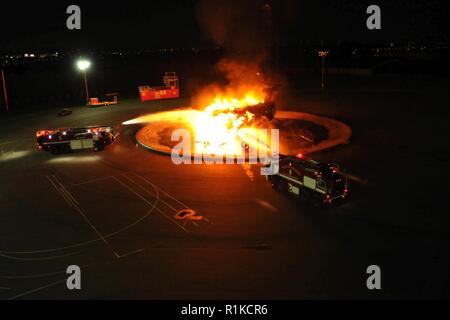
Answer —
(168, 91)
(310, 180)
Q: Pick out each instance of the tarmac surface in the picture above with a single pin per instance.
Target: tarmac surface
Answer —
(114, 214)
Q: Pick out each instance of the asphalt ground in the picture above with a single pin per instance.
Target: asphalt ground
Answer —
(113, 213)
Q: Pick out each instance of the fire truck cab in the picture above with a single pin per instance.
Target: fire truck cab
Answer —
(65, 140)
(310, 180)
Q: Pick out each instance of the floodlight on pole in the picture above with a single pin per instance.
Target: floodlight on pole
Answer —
(83, 65)
(5, 94)
(323, 54)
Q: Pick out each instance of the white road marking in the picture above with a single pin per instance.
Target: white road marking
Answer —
(131, 253)
(75, 203)
(161, 190)
(161, 200)
(160, 211)
(38, 289)
(42, 275)
(8, 256)
(78, 209)
(112, 234)
(90, 181)
(165, 193)
(64, 196)
(65, 191)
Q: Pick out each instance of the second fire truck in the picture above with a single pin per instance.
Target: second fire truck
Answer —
(310, 180)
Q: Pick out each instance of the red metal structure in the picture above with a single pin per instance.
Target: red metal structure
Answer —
(168, 91)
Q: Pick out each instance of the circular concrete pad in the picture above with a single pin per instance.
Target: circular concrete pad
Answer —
(156, 134)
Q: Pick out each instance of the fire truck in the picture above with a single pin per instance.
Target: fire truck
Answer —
(65, 140)
(168, 91)
(309, 180)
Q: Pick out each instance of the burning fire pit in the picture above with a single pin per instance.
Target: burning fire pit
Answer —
(224, 127)
(218, 128)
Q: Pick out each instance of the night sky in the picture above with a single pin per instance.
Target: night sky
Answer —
(41, 25)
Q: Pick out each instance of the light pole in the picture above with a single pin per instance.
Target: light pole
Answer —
(323, 54)
(5, 94)
(83, 65)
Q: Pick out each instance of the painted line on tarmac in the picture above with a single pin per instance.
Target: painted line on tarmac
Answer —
(10, 257)
(37, 289)
(91, 181)
(78, 209)
(161, 200)
(131, 253)
(161, 190)
(165, 193)
(66, 192)
(140, 196)
(84, 243)
(64, 196)
(41, 275)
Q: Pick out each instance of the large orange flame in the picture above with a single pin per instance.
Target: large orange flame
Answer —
(216, 129)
